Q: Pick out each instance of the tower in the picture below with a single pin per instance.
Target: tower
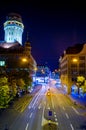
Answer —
(13, 28)
(27, 45)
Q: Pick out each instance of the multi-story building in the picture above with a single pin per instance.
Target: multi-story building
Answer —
(14, 53)
(72, 64)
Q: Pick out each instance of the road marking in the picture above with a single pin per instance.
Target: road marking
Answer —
(30, 115)
(71, 126)
(75, 110)
(49, 108)
(63, 108)
(39, 106)
(55, 119)
(54, 113)
(27, 126)
(67, 115)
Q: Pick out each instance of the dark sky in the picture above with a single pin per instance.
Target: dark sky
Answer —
(52, 26)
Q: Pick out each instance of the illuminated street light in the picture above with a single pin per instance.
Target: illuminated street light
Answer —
(24, 59)
(75, 60)
(24, 62)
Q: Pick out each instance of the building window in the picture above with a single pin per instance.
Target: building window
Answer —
(81, 72)
(2, 63)
(81, 57)
(73, 65)
(82, 65)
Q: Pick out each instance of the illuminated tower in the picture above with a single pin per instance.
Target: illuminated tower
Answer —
(13, 28)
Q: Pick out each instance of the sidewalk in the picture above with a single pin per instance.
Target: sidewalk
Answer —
(79, 100)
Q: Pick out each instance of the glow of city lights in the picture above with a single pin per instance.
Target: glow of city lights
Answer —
(75, 60)
(24, 59)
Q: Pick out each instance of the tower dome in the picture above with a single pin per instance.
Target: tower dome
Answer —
(14, 16)
(13, 28)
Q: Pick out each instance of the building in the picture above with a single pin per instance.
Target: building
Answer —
(42, 74)
(72, 64)
(13, 28)
(13, 53)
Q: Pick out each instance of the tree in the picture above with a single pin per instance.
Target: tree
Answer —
(28, 82)
(20, 83)
(84, 87)
(4, 93)
(80, 82)
(24, 75)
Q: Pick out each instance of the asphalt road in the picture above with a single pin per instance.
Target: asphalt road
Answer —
(48, 112)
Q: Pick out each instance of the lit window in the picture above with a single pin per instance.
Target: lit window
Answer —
(2, 63)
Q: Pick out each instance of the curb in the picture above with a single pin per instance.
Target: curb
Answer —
(75, 102)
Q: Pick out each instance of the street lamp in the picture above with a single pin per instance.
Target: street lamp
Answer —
(75, 60)
(24, 59)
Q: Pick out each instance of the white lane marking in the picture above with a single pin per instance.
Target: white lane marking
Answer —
(71, 126)
(49, 108)
(75, 110)
(54, 113)
(30, 115)
(27, 126)
(55, 119)
(63, 108)
(67, 115)
(39, 106)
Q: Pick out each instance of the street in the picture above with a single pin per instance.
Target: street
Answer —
(49, 112)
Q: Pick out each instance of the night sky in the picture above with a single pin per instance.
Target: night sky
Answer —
(52, 26)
